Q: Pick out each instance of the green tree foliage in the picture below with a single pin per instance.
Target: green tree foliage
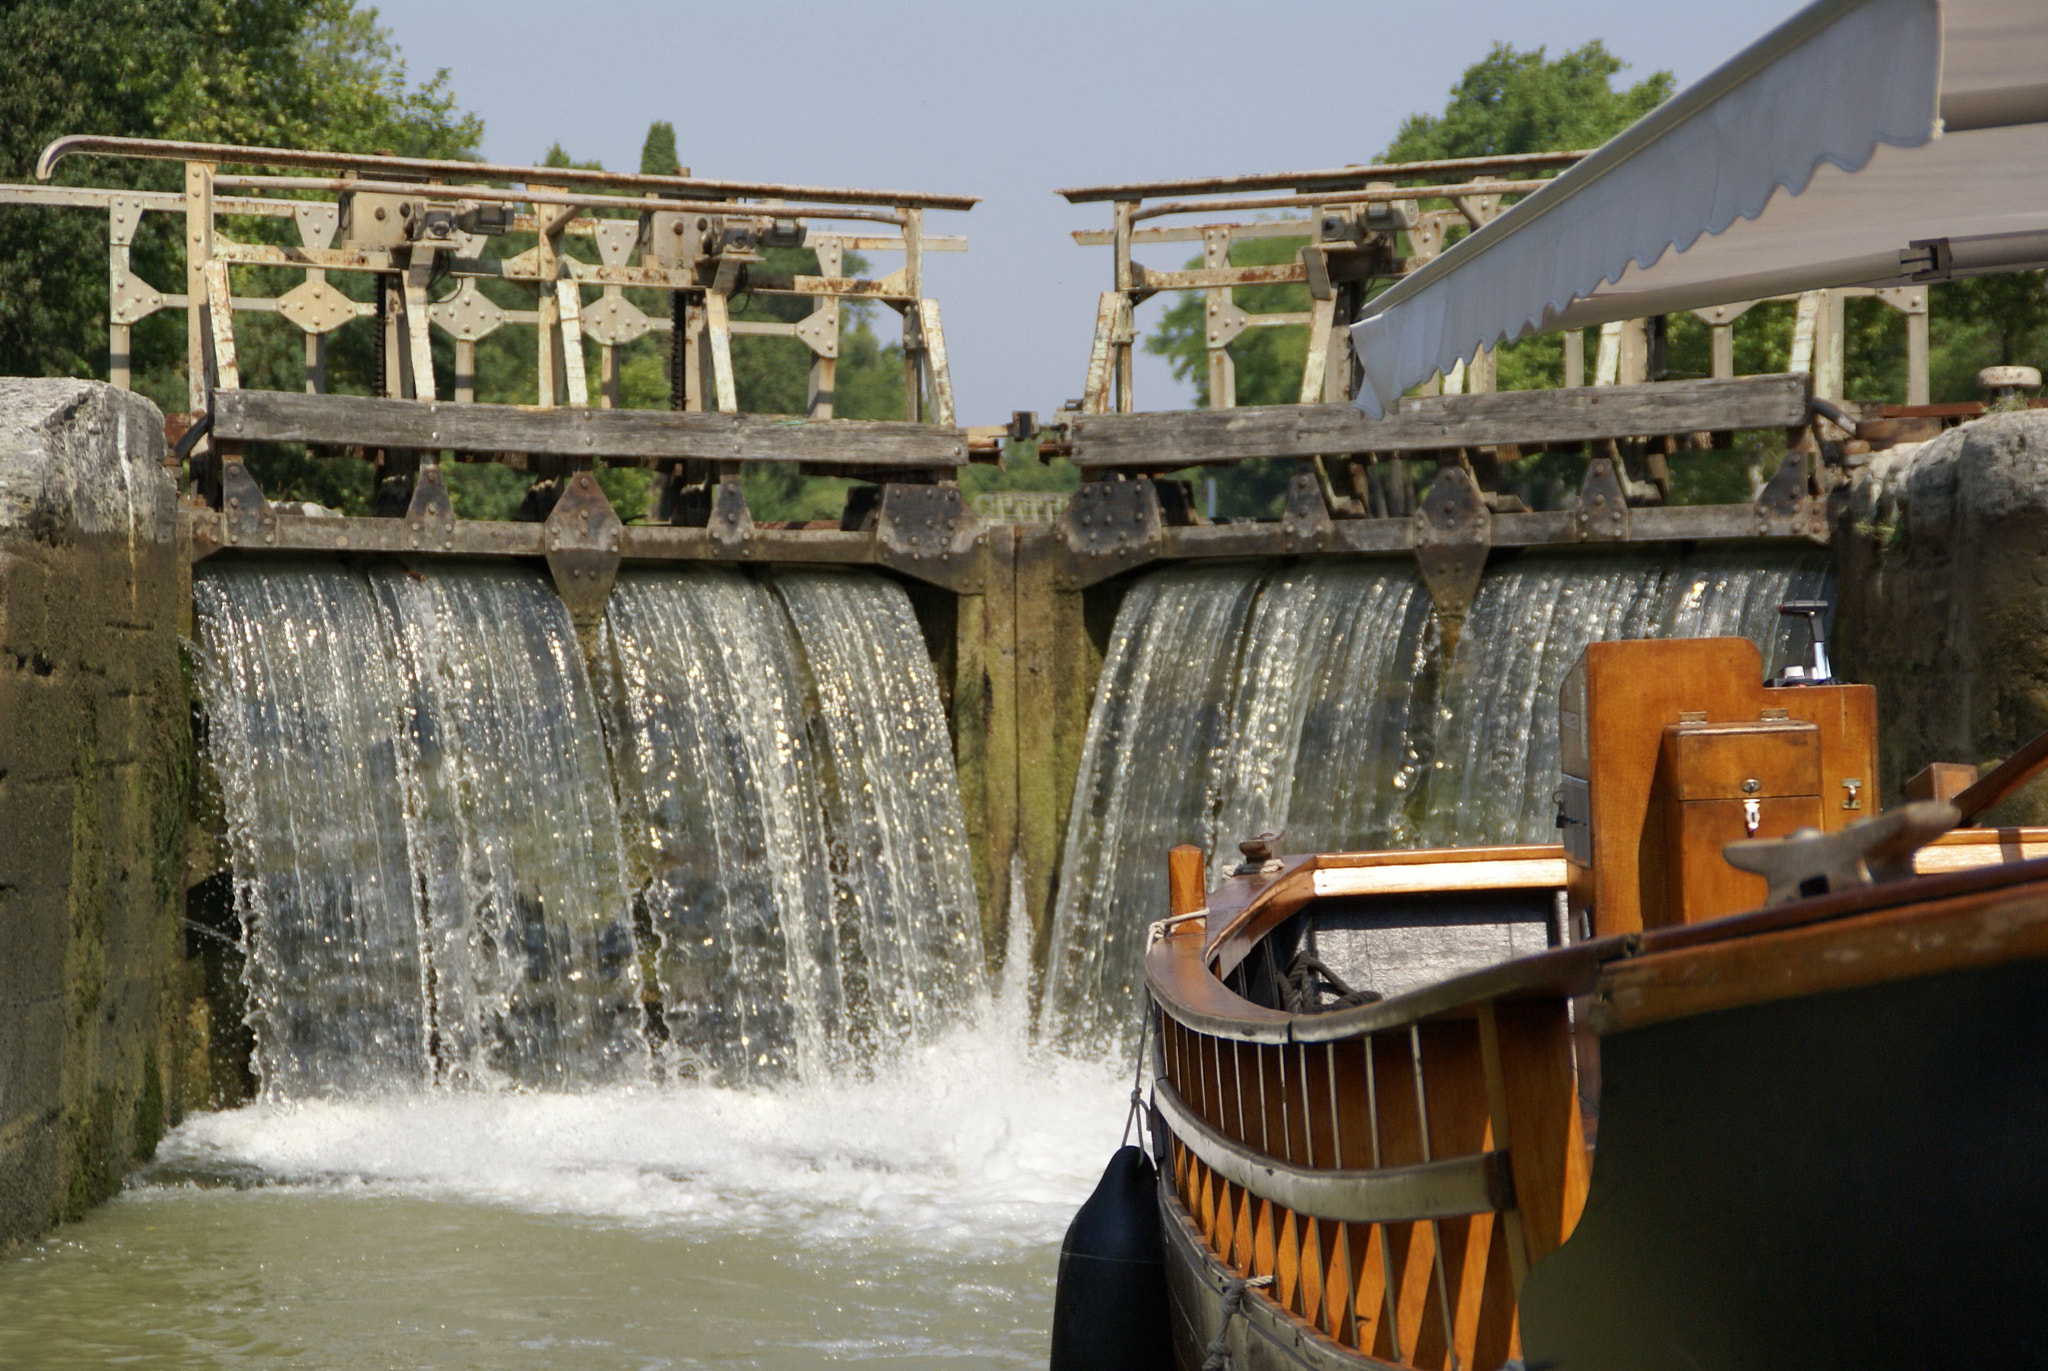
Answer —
(1510, 101)
(279, 72)
(658, 155)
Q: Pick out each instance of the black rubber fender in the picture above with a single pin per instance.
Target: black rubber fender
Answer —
(1110, 1311)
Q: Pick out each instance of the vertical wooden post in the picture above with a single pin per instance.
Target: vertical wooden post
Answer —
(1120, 351)
(547, 252)
(718, 351)
(913, 323)
(418, 331)
(1218, 304)
(198, 252)
(1575, 357)
(824, 379)
(1185, 890)
(569, 299)
(1724, 351)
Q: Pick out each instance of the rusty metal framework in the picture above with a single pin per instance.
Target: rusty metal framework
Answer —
(413, 225)
(1356, 487)
(1420, 482)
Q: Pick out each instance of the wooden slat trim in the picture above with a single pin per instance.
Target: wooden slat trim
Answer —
(1586, 413)
(1968, 849)
(1402, 879)
(1890, 945)
(427, 425)
(1453, 1188)
(1304, 879)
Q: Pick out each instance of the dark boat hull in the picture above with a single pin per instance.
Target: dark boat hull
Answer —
(1850, 1179)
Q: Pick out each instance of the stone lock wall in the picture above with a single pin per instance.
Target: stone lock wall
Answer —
(94, 773)
(1943, 606)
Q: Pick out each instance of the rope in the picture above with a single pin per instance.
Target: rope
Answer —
(1131, 1120)
(1153, 933)
(1302, 985)
(1217, 1357)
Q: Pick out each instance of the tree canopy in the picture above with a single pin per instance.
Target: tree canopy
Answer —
(1515, 101)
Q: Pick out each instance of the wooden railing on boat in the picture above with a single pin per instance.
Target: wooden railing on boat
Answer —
(1385, 1175)
(1393, 1168)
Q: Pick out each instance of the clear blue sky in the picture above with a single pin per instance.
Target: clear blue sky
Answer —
(1009, 102)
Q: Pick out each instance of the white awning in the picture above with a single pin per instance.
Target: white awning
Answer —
(1862, 142)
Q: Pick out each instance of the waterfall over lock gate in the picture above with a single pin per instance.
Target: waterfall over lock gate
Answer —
(1316, 697)
(455, 850)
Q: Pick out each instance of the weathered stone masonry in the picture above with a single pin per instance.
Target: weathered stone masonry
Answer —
(94, 775)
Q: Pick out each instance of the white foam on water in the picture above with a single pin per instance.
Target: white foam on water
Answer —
(971, 1146)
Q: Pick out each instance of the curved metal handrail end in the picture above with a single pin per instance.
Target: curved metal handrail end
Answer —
(1480, 1183)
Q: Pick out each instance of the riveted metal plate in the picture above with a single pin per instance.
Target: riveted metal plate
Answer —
(1601, 514)
(612, 318)
(731, 522)
(1111, 527)
(1786, 508)
(133, 299)
(1451, 534)
(318, 307)
(246, 517)
(468, 314)
(1305, 518)
(928, 532)
(429, 517)
(582, 534)
(616, 239)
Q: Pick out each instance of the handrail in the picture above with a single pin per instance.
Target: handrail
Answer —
(595, 200)
(1277, 902)
(1182, 983)
(1478, 1183)
(1328, 176)
(1384, 196)
(82, 144)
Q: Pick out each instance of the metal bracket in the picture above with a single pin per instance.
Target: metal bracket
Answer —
(926, 531)
(1451, 535)
(582, 535)
(1111, 527)
(1601, 514)
(246, 516)
(1785, 507)
(1305, 519)
(731, 522)
(429, 517)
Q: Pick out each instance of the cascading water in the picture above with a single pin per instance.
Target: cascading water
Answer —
(303, 691)
(1316, 698)
(1150, 764)
(908, 920)
(432, 867)
(516, 836)
(794, 821)
(1496, 758)
(725, 837)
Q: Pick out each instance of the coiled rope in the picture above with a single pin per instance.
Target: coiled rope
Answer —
(1217, 1357)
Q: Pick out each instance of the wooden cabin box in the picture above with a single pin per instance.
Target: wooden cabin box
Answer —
(1616, 708)
(1716, 784)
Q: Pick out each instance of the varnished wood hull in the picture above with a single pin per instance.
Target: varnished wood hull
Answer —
(1823, 1133)
(1848, 1180)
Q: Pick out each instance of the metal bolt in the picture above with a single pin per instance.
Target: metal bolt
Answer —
(1752, 786)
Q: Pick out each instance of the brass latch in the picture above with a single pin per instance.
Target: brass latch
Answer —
(1854, 798)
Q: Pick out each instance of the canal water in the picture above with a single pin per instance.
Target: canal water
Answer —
(909, 1219)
